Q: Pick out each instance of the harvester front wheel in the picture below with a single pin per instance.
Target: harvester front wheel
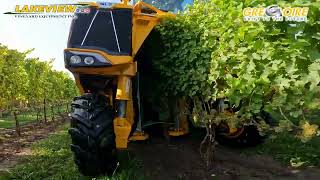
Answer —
(93, 138)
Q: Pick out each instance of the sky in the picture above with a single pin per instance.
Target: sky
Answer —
(48, 36)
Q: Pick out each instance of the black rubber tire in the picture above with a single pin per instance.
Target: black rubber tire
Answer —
(249, 137)
(92, 134)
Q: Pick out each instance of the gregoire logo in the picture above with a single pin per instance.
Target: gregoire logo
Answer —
(275, 13)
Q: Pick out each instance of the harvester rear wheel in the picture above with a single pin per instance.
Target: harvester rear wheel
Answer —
(93, 138)
(246, 136)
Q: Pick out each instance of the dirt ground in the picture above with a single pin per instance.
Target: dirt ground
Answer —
(179, 158)
(12, 147)
(169, 159)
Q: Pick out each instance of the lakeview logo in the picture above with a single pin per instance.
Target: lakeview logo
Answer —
(49, 11)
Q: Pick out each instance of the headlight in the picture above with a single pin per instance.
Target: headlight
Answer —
(75, 59)
(89, 60)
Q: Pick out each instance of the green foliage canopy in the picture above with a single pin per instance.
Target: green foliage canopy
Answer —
(210, 52)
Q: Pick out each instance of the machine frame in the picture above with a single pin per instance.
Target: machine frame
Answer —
(123, 68)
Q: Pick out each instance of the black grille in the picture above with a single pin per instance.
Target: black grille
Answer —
(101, 34)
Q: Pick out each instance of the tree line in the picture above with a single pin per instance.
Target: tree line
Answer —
(30, 83)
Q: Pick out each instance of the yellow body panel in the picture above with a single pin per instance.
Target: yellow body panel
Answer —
(141, 26)
(124, 67)
(233, 132)
(122, 129)
(183, 121)
(139, 136)
(124, 88)
(130, 112)
(177, 132)
(144, 23)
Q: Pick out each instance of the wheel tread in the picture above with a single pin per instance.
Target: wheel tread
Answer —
(92, 134)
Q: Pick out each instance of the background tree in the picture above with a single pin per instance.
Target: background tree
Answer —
(31, 84)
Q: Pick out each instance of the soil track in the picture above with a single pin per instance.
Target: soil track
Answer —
(167, 159)
(179, 159)
(12, 147)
